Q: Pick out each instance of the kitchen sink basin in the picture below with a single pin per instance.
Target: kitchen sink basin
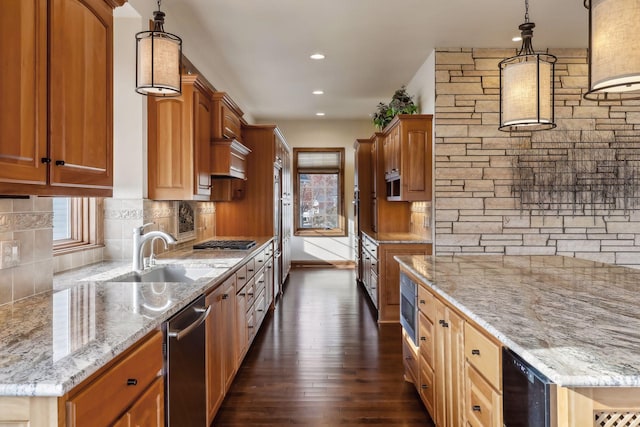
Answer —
(166, 273)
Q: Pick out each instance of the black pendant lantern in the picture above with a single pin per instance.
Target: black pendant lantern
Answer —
(158, 60)
(614, 57)
(527, 86)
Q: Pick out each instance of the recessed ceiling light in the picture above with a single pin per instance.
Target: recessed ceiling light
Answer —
(317, 56)
(319, 114)
(318, 92)
(516, 39)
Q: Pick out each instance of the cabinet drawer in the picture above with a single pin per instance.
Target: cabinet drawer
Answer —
(426, 302)
(260, 284)
(259, 260)
(427, 388)
(139, 368)
(250, 293)
(410, 359)
(231, 124)
(483, 354)
(241, 276)
(483, 404)
(260, 307)
(426, 339)
(251, 268)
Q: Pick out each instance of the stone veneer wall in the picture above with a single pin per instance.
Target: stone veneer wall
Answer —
(476, 207)
(30, 222)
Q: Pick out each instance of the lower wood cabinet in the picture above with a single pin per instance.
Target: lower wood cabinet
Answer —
(459, 378)
(220, 344)
(132, 386)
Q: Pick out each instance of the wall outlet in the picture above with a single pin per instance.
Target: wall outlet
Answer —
(9, 253)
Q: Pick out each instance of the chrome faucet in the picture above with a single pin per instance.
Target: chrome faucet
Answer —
(139, 239)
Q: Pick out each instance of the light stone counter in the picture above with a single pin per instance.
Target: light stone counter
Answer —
(397, 237)
(51, 342)
(576, 321)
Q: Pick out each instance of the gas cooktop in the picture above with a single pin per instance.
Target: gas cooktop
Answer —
(226, 244)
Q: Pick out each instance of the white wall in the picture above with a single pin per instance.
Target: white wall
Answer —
(423, 85)
(129, 112)
(326, 133)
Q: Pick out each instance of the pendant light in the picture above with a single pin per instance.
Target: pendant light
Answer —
(526, 86)
(158, 58)
(614, 57)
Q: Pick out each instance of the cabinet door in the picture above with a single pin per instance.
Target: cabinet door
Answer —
(440, 361)
(23, 85)
(455, 369)
(241, 330)
(202, 141)
(229, 358)
(148, 411)
(169, 149)
(214, 346)
(80, 100)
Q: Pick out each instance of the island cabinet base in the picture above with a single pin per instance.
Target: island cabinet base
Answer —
(29, 411)
(598, 407)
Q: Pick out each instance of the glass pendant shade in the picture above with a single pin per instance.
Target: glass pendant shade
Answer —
(614, 56)
(527, 88)
(158, 57)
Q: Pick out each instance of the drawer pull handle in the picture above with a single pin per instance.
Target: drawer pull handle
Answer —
(423, 338)
(225, 296)
(422, 301)
(443, 323)
(250, 327)
(475, 352)
(132, 381)
(250, 294)
(424, 386)
(250, 269)
(241, 278)
(408, 358)
(59, 162)
(260, 310)
(476, 408)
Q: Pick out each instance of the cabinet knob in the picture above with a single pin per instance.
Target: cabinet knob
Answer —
(475, 352)
(59, 162)
(132, 381)
(476, 408)
(225, 296)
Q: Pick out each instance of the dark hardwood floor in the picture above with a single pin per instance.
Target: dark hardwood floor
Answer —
(321, 359)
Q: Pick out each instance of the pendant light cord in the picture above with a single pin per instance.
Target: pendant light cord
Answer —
(526, 10)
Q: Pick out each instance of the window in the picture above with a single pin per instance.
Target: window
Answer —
(319, 191)
(75, 222)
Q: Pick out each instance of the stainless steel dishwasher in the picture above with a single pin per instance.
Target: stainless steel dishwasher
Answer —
(185, 366)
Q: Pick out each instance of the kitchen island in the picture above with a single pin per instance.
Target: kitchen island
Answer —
(54, 342)
(575, 321)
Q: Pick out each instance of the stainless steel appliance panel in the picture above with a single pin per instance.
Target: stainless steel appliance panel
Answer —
(409, 306)
(185, 365)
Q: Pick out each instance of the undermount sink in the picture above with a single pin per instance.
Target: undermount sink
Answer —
(166, 273)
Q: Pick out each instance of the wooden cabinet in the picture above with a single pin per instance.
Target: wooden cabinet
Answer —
(260, 195)
(448, 333)
(370, 268)
(483, 367)
(361, 199)
(389, 277)
(460, 380)
(220, 344)
(408, 158)
(179, 134)
(227, 118)
(58, 71)
(133, 385)
(148, 411)
(229, 158)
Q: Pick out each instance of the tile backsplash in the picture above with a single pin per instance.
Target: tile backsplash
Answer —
(28, 221)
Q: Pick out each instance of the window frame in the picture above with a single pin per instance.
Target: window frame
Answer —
(341, 230)
(86, 226)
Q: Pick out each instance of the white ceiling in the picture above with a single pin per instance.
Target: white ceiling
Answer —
(258, 50)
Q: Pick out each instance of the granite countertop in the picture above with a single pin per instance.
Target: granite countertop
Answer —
(575, 321)
(397, 237)
(51, 342)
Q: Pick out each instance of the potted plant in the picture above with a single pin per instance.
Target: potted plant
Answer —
(401, 103)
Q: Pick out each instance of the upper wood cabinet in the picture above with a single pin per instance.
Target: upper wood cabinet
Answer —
(67, 44)
(179, 132)
(227, 117)
(408, 158)
(229, 159)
